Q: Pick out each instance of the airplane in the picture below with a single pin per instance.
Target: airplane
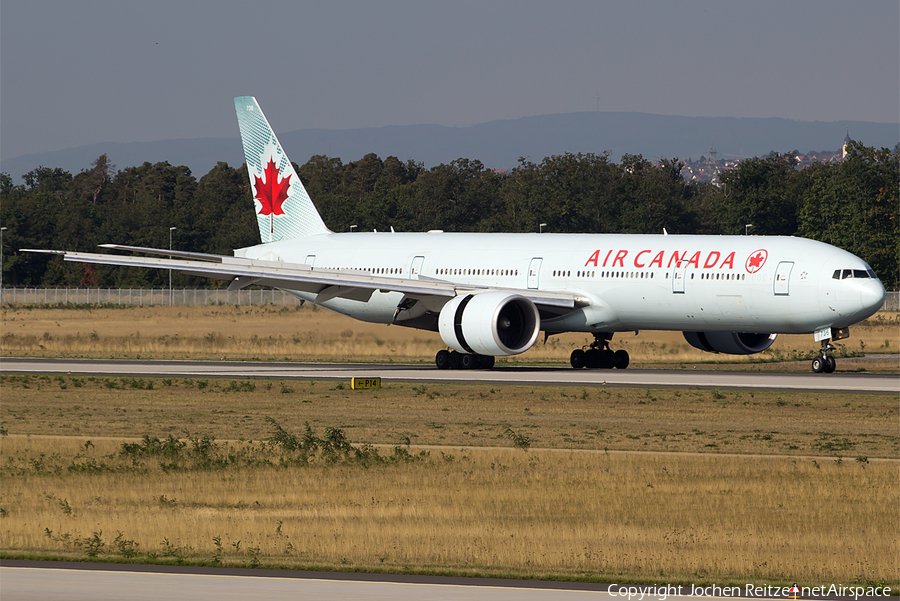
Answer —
(491, 295)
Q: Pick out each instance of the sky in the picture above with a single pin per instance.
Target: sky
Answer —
(78, 72)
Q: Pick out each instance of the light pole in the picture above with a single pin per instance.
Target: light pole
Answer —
(747, 228)
(2, 229)
(542, 226)
(171, 229)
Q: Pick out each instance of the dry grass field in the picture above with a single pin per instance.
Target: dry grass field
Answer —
(612, 517)
(628, 485)
(555, 417)
(310, 334)
(731, 487)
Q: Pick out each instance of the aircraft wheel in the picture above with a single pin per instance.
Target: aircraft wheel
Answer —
(830, 364)
(592, 358)
(467, 361)
(607, 359)
(621, 359)
(454, 360)
(577, 358)
(818, 364)
(442, 359)
(487, 362)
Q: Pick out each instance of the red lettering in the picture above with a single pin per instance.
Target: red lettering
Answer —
(658, 258)
(607, 258)
(594, 258)
(729, 260)
(636, 264)
(676, 258)
(711, 259)
(695, 260)
(619, 257)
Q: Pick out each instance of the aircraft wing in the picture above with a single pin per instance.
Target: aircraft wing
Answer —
(326, 284)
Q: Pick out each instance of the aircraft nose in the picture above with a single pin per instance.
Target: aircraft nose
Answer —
(872, 296)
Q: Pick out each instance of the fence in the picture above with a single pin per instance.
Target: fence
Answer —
(189, 296)
(146, 296)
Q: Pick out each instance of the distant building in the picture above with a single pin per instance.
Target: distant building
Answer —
(708, 169)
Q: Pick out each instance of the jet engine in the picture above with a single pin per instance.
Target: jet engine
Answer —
(491, 323)
(732, 343)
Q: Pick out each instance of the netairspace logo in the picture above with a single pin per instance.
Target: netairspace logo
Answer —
(662, 592)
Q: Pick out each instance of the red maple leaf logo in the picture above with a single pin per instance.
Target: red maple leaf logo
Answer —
(756, 260)
(271, 193)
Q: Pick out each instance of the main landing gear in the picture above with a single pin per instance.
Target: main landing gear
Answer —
(452, 360)
(599, 355)
(824, 363)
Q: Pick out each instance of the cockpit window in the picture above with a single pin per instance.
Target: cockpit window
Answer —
(853, 273)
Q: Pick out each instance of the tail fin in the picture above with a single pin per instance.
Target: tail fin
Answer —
(284, 210)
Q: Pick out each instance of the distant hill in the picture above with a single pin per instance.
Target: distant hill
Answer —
(497, 144)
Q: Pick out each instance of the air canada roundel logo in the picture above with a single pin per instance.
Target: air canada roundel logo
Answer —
(756, 260)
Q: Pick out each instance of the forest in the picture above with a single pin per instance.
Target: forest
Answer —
(852, 204)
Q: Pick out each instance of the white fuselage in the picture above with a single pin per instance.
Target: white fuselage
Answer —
(630, 282)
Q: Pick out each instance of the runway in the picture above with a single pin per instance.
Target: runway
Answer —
(561, 376)
(238, 585)
(35, 580)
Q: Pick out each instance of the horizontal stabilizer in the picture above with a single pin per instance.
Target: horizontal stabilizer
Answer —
(168, 253)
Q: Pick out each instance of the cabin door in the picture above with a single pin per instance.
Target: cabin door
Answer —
(783, 278)
(416, 268)
(678, 279)
(534, 271)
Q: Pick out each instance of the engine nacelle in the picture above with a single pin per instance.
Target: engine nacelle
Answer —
(732, 343)
(491, 323)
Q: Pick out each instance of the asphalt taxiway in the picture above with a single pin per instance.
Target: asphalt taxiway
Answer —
(656, 378)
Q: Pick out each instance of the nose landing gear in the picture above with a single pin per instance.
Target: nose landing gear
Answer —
(824, 363)
(599, 355)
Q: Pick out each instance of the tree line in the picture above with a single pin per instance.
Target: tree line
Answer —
(852, 204)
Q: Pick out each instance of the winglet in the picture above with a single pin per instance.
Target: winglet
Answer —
(284, 211)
